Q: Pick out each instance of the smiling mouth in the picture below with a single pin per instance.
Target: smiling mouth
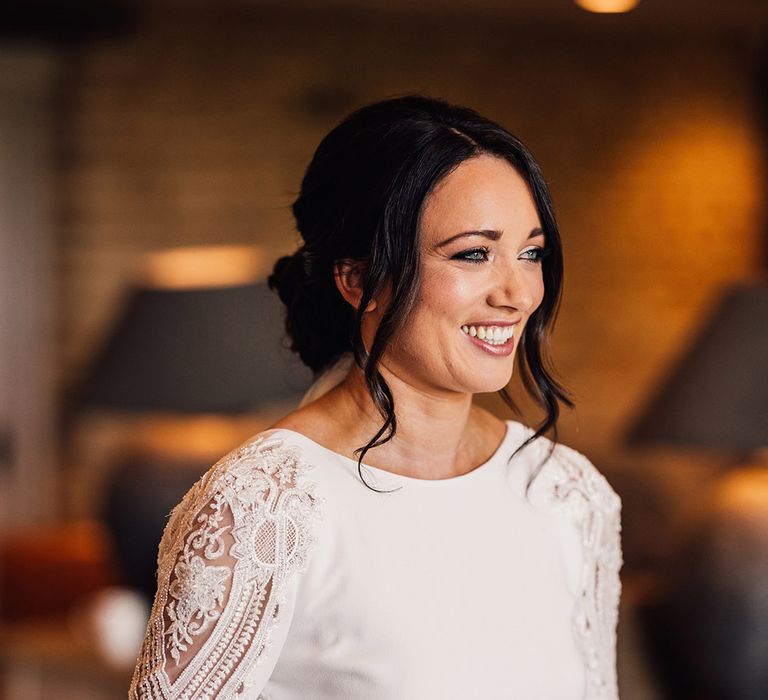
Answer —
(493, 335)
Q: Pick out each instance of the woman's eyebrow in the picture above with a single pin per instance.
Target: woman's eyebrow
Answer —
(491, 234)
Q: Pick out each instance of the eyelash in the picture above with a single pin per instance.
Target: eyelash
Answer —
(541, 253)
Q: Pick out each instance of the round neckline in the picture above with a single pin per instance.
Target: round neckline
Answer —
(461, 478)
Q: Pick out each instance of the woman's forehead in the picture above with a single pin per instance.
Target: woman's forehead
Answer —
(482, 193)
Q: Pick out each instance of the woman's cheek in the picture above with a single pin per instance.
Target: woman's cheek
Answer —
(450, 290)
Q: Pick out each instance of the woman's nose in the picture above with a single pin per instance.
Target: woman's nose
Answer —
(516, 288)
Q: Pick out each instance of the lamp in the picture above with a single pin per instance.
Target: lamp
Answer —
(707, 630)
(199, 350)
(717, 394)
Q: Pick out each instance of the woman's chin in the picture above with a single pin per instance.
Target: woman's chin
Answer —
(488, 386)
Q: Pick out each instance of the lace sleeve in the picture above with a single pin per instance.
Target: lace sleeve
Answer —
(595, 509)
(225, 576)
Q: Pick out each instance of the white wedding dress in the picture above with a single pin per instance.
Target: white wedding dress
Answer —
(281, 576)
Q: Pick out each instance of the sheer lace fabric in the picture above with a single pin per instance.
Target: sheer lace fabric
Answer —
(571, 481)
(224, 564)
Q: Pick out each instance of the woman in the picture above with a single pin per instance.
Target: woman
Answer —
(390, 539)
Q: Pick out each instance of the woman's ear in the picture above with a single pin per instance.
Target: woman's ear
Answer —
(348, 275)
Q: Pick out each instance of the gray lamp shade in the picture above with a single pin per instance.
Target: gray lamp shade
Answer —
(219, 350)
(717, 395)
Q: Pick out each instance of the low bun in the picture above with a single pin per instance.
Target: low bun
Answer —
(287, 277)
(317, 319)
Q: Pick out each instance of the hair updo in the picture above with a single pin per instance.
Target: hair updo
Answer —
(318, 320)
(361, 200)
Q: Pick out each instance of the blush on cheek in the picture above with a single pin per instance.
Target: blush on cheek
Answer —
(537, 297)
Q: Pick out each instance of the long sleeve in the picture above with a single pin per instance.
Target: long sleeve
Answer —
(592, 510)
(226, 577)
(598, 511)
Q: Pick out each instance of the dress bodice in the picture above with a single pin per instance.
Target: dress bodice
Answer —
(281, 575)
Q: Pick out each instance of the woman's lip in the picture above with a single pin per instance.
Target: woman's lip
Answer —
(497, 350)
(492, 323)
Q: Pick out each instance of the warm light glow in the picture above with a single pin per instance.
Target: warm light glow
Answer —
(605, 6)
(744, 491)
(202, 437)
(204, 266)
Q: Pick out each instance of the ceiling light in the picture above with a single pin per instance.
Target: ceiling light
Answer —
(607, 6)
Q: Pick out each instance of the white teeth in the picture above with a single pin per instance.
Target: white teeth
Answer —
(493, 335)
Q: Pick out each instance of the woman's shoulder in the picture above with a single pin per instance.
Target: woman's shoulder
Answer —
(264, 476)
(266, 459)
(315, 422)
(563, 475)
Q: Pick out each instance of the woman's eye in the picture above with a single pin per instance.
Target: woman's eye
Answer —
(476, 255)
(536, 254)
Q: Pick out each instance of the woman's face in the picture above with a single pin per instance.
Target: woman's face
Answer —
(481, 279)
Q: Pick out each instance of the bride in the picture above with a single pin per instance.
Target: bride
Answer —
(391, 539)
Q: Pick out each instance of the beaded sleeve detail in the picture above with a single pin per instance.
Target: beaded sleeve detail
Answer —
(574, 483)
(226, 558)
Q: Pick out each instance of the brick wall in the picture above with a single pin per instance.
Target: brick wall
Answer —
(197, 128)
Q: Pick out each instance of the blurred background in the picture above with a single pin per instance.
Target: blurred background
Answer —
(149, 152)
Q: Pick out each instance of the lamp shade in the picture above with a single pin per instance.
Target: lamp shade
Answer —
(213, 349)
(717, 394)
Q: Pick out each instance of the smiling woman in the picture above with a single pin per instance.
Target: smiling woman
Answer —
(504, 275)
(389, 538)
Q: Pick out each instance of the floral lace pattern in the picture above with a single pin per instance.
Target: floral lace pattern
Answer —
(199, 591)
(227, 553)
(572, 481)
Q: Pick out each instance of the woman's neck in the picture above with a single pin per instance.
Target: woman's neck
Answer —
(438, 436)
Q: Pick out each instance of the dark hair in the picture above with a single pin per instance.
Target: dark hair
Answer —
(361, 199)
